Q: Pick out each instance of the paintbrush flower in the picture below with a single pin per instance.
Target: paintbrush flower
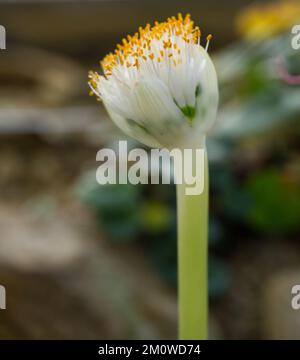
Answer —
(160, 85)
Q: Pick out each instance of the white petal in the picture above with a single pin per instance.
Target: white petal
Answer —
(207, 101)
(132, 129)
(160, 115)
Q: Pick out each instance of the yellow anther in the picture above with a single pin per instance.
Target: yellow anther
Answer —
(139, 46)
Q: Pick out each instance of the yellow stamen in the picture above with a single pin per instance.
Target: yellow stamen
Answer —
(139, 46)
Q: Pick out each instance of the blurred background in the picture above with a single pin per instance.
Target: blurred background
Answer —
(83, 261)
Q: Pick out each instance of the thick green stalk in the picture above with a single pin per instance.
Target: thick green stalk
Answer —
(192, 213)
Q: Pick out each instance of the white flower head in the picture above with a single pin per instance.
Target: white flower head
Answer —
(160, 85)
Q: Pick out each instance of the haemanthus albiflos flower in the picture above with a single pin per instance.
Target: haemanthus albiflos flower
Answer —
(160, 85)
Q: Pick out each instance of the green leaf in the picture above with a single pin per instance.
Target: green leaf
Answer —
(275, 204)
(219, 277)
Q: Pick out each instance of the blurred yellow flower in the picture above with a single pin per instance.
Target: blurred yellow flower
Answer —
(263, 21)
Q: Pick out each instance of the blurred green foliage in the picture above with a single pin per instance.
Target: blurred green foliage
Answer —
(129, 213)
(255, 100)
(117, 207)
(275, 202)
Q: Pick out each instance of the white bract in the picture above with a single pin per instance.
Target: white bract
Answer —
(160, 85)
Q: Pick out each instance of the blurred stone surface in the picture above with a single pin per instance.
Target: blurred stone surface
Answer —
(65, 282)
(241, 313)
(279, 320)
(43, 78)
(92, 27)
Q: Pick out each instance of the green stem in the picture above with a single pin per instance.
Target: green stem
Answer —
(192, 261)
